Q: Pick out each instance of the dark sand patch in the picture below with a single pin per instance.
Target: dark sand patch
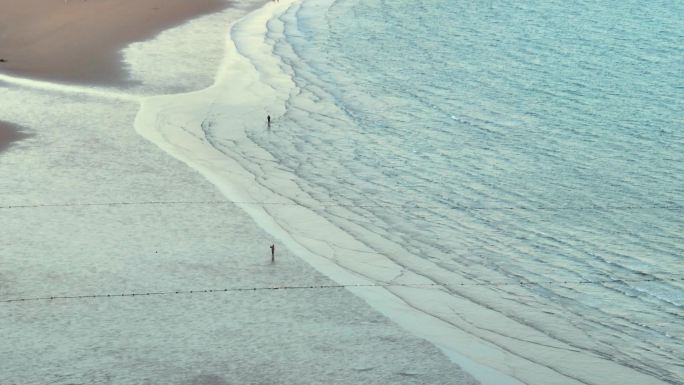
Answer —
(9, 134)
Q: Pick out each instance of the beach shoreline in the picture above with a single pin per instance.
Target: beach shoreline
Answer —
(139, 221)
(180, 124)
(81, 41)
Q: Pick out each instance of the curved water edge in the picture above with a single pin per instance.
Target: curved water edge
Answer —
(237, 102)
(210, 131)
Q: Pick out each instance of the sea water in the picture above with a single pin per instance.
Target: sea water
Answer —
(485, 144)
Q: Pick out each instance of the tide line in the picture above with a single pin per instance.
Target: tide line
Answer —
(341, 286)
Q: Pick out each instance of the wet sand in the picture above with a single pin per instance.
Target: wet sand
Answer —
(9, 133)
(79, 41)
(91, 207)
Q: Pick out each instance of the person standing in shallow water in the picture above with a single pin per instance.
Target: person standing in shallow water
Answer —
(272, 252)
(268, 120)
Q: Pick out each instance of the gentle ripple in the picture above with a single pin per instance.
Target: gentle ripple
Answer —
(518, 126)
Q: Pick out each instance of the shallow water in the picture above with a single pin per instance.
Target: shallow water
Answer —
(498, 142)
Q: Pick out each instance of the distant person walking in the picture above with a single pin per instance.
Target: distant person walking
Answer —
(272, 252)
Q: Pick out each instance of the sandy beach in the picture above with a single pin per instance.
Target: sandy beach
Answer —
(91, 210)
(80, 40)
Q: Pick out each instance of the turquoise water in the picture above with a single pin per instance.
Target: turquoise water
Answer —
(504, 142)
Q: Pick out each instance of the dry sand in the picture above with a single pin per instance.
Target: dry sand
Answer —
(80, 40)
